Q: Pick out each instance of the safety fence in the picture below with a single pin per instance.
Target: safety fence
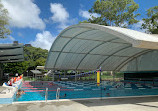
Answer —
(85, 89)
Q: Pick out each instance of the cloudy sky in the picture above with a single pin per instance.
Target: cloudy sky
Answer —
(38, 22)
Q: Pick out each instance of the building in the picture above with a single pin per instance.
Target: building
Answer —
(10, 53)
(90, 46)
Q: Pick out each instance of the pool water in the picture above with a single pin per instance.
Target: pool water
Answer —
(35, 91)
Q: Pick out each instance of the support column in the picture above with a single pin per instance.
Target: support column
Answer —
(1, 72)
(112, 74)
(95, 75)
(98, 78)
(75, 76)
(52, 73)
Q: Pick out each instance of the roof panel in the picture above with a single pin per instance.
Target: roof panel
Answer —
(89, 46)
(130, 51)
(12, 57)
(119, 41)
(109, 48)
(91, 62)
(111, 63)
(74, 31)
(68, 60)
(7, 46)
(12, 60)
(51, 59)
(71, 60)
(11, 51)
(96, 35)
(59, 44)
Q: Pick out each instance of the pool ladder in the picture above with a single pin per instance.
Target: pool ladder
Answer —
(46, 94)
(58, 93)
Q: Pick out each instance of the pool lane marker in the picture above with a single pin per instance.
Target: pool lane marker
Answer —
(49, 90)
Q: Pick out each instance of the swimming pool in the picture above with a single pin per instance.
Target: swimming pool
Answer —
(35, 91)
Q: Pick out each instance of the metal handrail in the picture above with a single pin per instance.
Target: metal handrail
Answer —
(58, 93)
(46, 94)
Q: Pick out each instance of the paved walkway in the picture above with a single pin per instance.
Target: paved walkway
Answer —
(124, 104)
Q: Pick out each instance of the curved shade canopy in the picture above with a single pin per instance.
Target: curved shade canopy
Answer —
(11, 53)
(90, 46)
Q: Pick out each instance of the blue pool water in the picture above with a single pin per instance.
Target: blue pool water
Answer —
(36, 90)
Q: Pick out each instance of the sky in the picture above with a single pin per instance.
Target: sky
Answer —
(38, 22)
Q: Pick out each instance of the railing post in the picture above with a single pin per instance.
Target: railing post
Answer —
(46, 94)
(58, 93)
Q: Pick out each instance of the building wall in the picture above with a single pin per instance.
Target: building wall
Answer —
(146, 62)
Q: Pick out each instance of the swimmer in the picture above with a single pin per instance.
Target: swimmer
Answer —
(108, 94)
(20, 92)
(51, 84)
(65, 95)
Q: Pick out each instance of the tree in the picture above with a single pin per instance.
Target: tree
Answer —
(18, 67)
(4, 22)
(40, 61)
(114, 12)
(151, 23)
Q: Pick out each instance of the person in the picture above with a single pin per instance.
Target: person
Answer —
(108, 94)
(51, 84)
(23, 92)
(65, 95)
(20, 92)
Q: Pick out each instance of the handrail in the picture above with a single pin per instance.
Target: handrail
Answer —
(58, 93)
(46, 94)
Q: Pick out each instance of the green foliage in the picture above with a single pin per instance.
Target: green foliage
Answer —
(119, 13)
(85, 21)
(151, 23)
(47, 78)
(18, 67)
(29, 79)
(33, 57)
(4, 22)
(41, 61)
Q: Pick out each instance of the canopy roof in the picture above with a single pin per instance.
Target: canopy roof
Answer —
(11, 53)
(40, 67)
(36, 71)
(90, 46)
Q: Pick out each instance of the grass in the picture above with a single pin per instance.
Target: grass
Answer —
(45, 78)
(29, 79)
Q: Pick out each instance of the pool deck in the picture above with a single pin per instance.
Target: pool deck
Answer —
(6, 92)
(112, 104)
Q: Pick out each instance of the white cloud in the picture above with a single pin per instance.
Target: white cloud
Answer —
(61, 16)
(24, 13)
(137, 26)
(59, 13)
(43, 40)
(87, 15)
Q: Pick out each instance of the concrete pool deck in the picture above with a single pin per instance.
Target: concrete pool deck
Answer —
(113, 104)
